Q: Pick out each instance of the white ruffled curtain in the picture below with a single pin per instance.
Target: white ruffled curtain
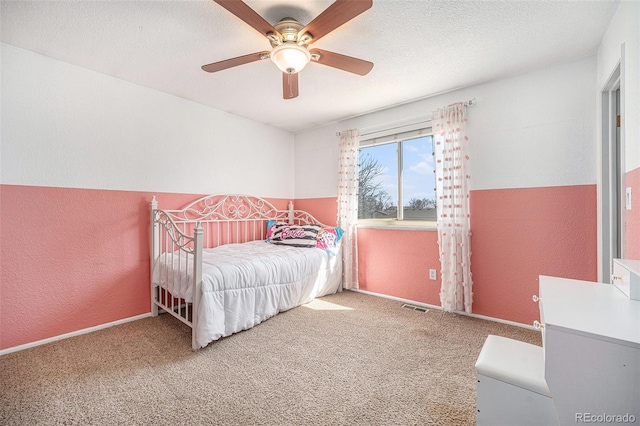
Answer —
(454, 232)
(348, 206)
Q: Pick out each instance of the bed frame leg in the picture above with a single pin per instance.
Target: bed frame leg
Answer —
(155, 253)
(197, 285)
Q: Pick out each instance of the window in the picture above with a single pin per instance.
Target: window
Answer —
(397, 171)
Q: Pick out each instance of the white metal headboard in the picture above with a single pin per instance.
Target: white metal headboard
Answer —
(224, 219)
(236, 207)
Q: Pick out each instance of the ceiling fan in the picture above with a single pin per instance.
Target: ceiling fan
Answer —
(290, 42)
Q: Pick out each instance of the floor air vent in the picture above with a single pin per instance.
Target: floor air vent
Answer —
(415, 308)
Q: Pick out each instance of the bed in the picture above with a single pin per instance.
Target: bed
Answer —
(225, 263)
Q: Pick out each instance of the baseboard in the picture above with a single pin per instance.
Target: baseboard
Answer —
(428, 306)
(72, 334)
(137, 317)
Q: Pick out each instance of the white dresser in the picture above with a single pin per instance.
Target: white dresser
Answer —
(587, 370)
(591, 342)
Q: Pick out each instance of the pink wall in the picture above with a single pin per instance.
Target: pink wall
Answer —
(518, 234)
(77, 258)
(632, 219)
(73, 258)
(397, 263)
(323, 209)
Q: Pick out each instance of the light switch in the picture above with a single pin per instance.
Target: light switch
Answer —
(628, 199)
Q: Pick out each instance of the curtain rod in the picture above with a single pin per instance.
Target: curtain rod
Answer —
(470, 102)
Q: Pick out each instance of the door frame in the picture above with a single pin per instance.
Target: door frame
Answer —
(611, 211)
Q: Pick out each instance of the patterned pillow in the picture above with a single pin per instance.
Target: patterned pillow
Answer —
(270, 225)
(329, 240)
(293, 235)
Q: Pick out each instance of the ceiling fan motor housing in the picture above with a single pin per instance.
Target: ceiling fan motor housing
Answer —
(289, 53)
(289, 29)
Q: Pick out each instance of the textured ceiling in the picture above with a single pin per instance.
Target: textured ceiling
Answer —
(419, 48)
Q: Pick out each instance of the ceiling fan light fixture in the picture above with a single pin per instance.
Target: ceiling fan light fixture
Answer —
(290, 57)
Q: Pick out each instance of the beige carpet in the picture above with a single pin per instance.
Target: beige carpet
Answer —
(345, 359)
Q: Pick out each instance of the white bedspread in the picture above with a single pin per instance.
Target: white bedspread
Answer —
(245, 284)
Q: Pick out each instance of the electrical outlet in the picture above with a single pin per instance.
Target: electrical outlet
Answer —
(432, 274)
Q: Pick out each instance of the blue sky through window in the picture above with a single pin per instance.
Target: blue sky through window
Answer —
(418, 168)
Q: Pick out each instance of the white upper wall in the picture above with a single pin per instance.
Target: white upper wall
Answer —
(532, 130)
(623, 35)
(66, 126)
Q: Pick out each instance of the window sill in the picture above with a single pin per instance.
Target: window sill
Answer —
(406, 225)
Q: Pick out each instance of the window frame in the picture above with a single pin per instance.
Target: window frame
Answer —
(398, 135)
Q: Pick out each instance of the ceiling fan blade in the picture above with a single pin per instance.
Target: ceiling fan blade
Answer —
(234, 62)
(335, 15)
(343, 62)
(248, 15)
(289, 85)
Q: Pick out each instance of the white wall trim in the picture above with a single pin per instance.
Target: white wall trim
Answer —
(428, 306)
(72, 334)
(605, 163)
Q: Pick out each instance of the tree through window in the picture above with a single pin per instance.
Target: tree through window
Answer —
(397, 173)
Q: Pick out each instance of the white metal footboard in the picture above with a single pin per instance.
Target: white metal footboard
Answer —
(175, 247)
(179, 236)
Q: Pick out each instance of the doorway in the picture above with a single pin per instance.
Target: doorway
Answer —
(612, 175)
